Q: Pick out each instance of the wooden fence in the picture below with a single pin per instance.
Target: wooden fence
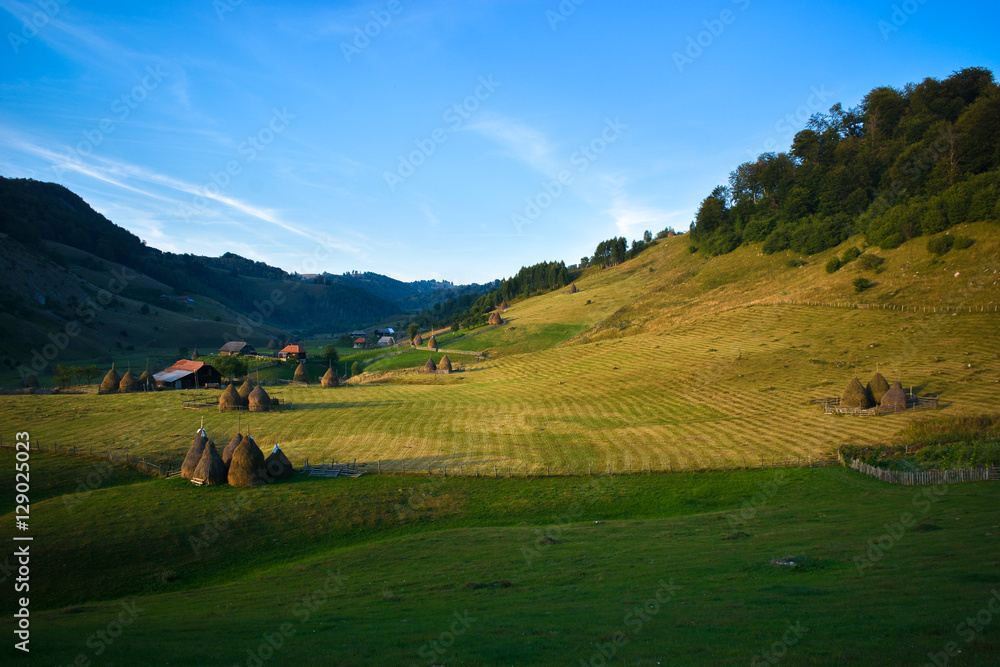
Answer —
(980, 474)
(832, 406)
(114, 456)
(854, 305)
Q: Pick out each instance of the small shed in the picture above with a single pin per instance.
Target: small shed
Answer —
(236, 348)
(386, 341)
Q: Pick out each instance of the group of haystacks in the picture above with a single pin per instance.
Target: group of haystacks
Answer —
(251, 396)
(444, 366)
(126, 384)
(876, 392)
(240, 464)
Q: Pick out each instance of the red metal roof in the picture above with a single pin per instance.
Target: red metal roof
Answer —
(293, 349)
(186, 365)
(360, 340)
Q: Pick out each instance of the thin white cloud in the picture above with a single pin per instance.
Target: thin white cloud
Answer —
(631, 219)
(520, 141)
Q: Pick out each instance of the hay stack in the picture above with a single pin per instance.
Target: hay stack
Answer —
(227, 453)
(146, 382)
(259, 400)
(329, 379)
(573, 289)
(895, 398)
(277, 465)
(495, 319)
(244, 391)
(246, 468)
(503, 306)
(877, 387)
(230, 399)
(855, 395)
(432, 343)
(430, 366)
(418, 340)
(210, 469)
(445, 364)
(109, 384)
(194, 454)
(301, 374)
(128, 383)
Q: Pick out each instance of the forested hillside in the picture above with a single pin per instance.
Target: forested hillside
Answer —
(903, 163)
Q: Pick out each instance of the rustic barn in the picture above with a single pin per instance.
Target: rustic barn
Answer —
(187, 374)
(360, 343)
(237, 348)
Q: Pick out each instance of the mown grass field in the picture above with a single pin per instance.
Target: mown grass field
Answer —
(668, 367)
(660, 569)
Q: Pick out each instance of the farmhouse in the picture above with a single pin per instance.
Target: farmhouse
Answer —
(297, 350)
(388, 331)
(360, 343)
(187, 374)
(359, 333)
(386, 341)
(237, 347)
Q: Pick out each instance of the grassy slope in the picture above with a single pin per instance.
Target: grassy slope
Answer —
(407, 547)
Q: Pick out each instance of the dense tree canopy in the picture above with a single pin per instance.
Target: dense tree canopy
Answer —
(901, 164)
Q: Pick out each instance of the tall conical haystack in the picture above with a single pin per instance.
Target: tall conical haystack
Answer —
(277, 465)
(194, 454)
(445, 364)
(573, 289)
(230, 399)
(301, 374)
(109, 385)
(210, 469)
(503, 306)
(855, 395)
(432, 343)
(244, 391)
(418, 340)
(147, 382)
(430, 366)
(495, 319)
(877, 387)
(259, 400)
(895, 398)
(128, 383)
(227, 453)
(329, 379)
(246, 468)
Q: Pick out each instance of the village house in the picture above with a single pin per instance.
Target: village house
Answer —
(236, 348)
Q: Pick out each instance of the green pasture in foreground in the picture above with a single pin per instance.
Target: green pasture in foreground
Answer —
(670, 569)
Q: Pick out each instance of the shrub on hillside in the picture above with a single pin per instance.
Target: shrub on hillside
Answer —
(870, 262)
(833, 264)
(861, 284)
(963, 242)
(939, 245)
(850, 255)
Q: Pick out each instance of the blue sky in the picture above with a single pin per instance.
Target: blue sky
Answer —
(450, 140)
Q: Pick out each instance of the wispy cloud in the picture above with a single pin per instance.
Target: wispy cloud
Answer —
(631, 218)
(519, 141)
